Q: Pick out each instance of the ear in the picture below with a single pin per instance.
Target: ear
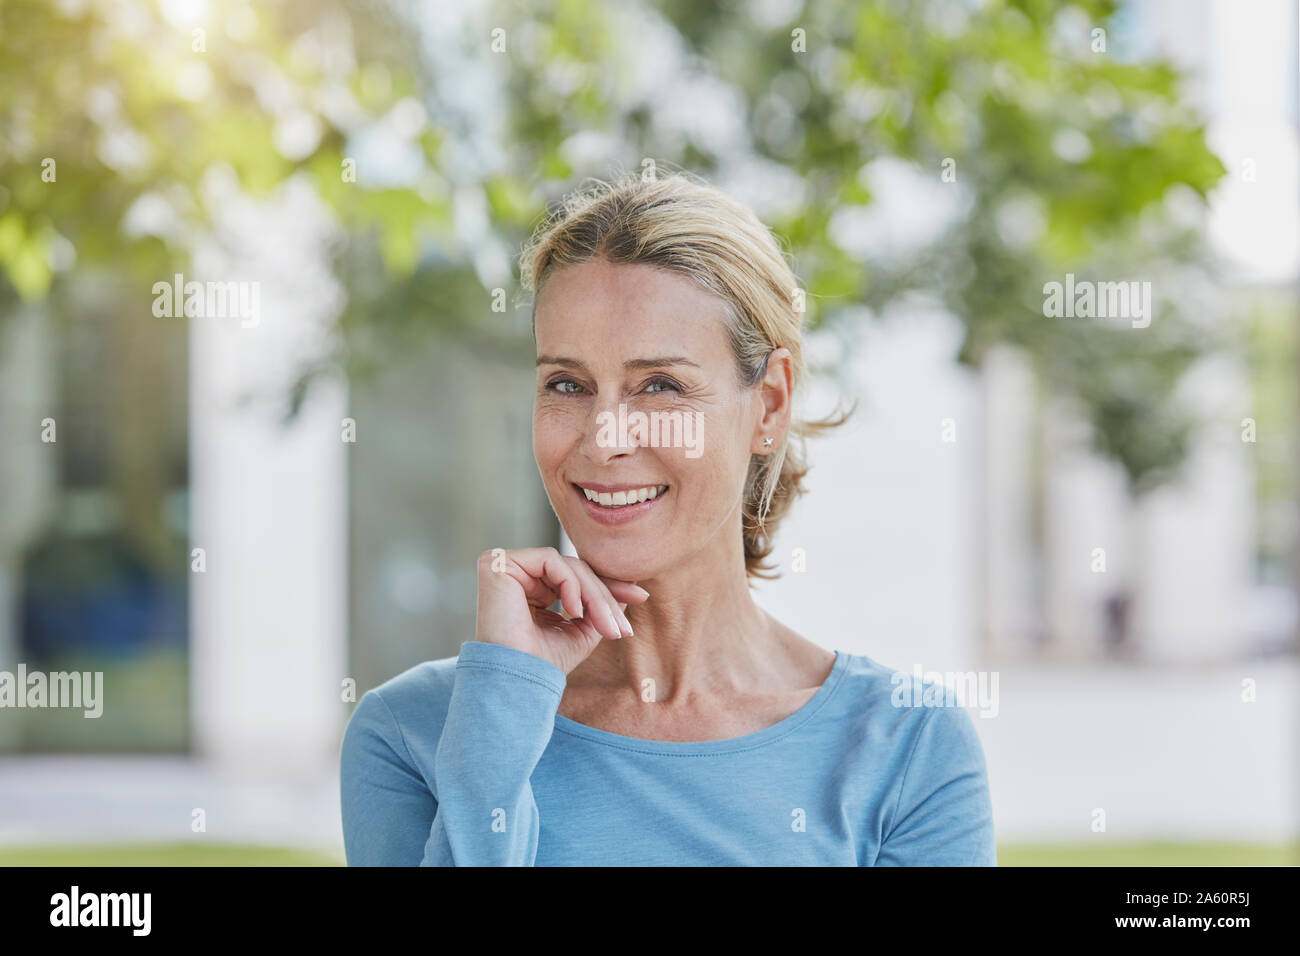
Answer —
(776, 391)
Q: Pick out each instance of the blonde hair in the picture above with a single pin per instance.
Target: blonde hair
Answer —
(684, 225)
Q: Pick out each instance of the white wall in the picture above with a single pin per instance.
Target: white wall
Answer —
(890, 518)
(268, 617)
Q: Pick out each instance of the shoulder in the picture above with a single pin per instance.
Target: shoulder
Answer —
(412, 704)
(904, 713)
(871, 689)
(917, 734)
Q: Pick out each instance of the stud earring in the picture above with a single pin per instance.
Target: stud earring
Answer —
(767, 442)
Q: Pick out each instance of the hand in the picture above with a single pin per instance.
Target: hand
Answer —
(516, 587)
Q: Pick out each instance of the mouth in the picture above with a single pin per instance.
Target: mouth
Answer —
(611, 504)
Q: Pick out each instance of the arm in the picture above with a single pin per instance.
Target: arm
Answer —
(387, 807)
(499, 722)
(944, 814)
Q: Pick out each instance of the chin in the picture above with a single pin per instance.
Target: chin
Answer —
(611, 559)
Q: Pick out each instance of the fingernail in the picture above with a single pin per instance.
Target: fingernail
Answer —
(626, 623)
(642, 590)
(613, 620)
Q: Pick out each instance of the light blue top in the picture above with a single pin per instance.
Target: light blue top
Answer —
(465, 762)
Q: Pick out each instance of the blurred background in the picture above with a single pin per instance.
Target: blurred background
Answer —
(246, 517)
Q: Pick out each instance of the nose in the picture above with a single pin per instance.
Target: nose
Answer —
(609, 434)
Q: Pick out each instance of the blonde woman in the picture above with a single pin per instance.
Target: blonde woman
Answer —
(661, 717)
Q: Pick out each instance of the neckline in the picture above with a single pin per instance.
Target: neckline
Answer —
(682, 748)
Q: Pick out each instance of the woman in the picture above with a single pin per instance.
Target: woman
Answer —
(662, 718)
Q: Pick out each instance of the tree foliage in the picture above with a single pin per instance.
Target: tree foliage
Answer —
(1042, 146)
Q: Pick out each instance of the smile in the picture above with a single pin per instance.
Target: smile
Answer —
(614, 504)
(628, 496)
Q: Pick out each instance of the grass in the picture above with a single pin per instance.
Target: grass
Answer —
(1150, 854)
(1099, 854)
(163, 854)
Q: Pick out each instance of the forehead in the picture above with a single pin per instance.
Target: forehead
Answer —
(632, 303)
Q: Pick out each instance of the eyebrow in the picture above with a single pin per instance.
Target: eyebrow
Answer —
(629, 364)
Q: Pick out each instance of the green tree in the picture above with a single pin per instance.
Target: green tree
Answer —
(1057, 151)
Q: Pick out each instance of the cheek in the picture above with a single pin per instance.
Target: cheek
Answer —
(715, 481)
(556, 433)
(717, 473)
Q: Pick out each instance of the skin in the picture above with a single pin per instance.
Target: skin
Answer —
(721, 666)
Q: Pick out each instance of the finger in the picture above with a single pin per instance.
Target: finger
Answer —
(536, 592)
(496, 564)
(617, 619)
(596, 599)
(542, 595)
(590, 631)
(592, 599)
(582, 593)
(575, 627)
(621, 625)
(625, 591)
(548, 568)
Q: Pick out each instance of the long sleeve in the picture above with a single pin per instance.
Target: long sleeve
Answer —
(386, 805)
(499, 723)
(944, 814)
(480, 811)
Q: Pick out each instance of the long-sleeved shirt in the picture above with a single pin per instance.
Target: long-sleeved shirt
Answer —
(465, 761)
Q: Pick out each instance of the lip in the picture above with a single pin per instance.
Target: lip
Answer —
(616, 516)
(598, 487)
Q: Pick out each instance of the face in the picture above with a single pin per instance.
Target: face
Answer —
(655, 343)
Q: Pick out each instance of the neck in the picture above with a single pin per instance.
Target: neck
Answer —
(699, 633)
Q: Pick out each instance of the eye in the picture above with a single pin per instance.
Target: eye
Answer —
(650, 387)
(554, 386)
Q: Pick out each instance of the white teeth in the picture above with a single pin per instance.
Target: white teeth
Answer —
(620, 499)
